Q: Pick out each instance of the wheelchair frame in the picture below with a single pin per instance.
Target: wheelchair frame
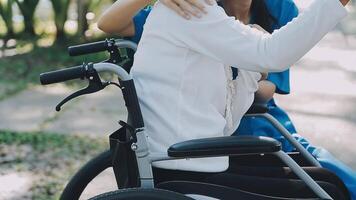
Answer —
(145, 158)
(140, 147)
(288, 136)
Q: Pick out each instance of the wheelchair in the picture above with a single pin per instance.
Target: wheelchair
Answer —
(129, 154)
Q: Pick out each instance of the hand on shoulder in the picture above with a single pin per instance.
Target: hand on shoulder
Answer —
(344, 2)
(188, 8)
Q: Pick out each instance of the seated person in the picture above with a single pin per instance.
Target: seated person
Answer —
(194, 45)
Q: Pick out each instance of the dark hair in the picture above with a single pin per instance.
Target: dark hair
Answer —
(261, 15)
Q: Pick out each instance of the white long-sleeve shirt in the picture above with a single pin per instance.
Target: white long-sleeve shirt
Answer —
(179, 71)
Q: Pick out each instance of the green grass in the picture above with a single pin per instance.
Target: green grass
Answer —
(52, 158)
(41, 141)
(19, 71)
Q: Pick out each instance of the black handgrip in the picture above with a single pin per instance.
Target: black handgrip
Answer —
(62, 75)
(88, 48)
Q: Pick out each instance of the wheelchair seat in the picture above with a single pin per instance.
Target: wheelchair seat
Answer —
(213, 191)
(241, 185)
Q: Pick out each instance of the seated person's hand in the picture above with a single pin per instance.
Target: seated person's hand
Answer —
(258, 27)
(264, 76)
(265, 92)
(187, 8)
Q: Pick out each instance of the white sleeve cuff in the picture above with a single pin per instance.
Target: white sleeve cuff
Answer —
(339, 10)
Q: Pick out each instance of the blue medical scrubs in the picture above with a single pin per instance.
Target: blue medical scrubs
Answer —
(139, 21)
(283, 11)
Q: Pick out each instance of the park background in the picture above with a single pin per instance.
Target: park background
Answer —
(40, 149)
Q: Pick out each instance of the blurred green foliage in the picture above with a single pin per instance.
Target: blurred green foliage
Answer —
(27, 13)
(6, 13)
(42, 142)
(19, 71)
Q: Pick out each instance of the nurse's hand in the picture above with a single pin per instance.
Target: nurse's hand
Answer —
(188, 8)
(344, 2)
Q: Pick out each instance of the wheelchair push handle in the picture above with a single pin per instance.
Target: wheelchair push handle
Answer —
(109, 45)
(77, 72)
(89, 48)
(62, 75)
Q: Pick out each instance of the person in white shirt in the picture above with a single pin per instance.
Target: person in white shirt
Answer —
(180, 75)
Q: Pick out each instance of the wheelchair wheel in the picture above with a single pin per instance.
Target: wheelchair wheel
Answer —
(141, 194)
(85, 175)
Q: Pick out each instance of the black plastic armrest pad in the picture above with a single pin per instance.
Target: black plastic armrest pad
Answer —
(224, 146)
(257, 109)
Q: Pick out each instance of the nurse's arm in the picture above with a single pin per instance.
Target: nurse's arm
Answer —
(233, 43)
(118, 19)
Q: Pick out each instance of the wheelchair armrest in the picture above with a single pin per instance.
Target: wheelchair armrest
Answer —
(257, 109)
(224, 146)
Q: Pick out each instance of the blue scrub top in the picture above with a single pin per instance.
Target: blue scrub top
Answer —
(283, 11)
(139, 21)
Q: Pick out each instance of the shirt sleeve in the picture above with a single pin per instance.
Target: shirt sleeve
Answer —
(230, 42)
(139, 22)
(284, 13)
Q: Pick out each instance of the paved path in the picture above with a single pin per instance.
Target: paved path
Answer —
(34, 110)
(16, 186)
(323, 100)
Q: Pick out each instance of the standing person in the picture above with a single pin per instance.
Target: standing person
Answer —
(171, 45)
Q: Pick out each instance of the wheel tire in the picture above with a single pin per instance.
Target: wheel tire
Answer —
(85, 175)
(141, 194)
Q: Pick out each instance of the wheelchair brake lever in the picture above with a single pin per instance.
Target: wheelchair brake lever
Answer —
(95, 85)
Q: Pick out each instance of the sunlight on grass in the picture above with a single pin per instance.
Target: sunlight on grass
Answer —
(45, 28)
(51, 158)
(24, 48)
(2, 27)
(71, 26)
(46, 41)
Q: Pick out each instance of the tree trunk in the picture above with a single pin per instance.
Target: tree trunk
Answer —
(60, 32)
(60, 37)
(60, 8)
(83, 8)
(28, 8)
(6, 13)
(10, 30)
(29, 25)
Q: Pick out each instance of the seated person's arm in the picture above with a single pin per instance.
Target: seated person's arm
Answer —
(118, 19)
(266, 88)
(265, 92)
